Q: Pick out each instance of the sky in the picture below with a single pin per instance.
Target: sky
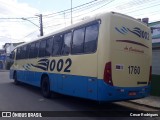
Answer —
(14, 29)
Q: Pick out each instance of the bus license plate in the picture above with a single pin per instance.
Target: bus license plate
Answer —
(132, 93)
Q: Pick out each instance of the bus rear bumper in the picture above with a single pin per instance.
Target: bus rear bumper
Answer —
(113, 93)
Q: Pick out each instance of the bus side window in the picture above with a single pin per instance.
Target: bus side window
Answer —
(20, 56)
(27, 51)
(17, 53)
(49, 44)
(42, 48)
(36, 49)
(21, 52)
(24, 52)
(12, 55)
(57, 45)
(91, 37)
(31, 51)
(67, 44)
(78, 41)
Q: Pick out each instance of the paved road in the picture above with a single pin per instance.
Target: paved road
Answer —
(27, 98)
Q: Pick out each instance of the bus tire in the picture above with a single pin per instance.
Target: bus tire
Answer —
(16, 82)
(45, 87)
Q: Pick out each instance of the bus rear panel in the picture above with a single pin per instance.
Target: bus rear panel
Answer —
(127, 71)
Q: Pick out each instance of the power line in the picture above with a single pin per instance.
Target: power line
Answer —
(10, 18)
(51, 13)
(91, 3)
(77, 8)
(84, 8)
(54, 25)
(132, 3)
(151, 13)
(70, 9)
(103, 1)
(19, 39)
(29, 34)
(8, 37)
(18, 17)
(94, 9)
(11, 21)
(90, 6)
(143, 8)
(81, 14)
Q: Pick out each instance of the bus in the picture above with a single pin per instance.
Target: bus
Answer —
(103, 58)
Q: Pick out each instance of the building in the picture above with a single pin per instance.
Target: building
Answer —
(155, 84)
(8, 48)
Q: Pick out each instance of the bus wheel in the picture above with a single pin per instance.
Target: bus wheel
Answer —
(45, 87)
(16, 82)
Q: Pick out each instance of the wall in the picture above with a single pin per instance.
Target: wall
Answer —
(155, 83)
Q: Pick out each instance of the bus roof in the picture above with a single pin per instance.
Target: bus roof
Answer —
(90, 19)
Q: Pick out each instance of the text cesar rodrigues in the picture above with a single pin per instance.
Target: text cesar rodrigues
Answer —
(143, 115)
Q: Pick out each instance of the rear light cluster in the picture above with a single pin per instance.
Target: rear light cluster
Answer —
(150, 75)
(108, 74)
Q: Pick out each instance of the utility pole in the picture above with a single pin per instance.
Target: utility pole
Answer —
(40, 22)
(41, 25)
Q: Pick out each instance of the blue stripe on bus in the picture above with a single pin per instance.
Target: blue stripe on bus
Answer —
(84, 87)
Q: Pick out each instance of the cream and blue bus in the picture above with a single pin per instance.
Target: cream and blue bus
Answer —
(103, 58)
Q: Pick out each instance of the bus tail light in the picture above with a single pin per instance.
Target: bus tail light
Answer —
(150, 75)
(108, 74)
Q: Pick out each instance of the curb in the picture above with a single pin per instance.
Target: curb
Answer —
(150, 106)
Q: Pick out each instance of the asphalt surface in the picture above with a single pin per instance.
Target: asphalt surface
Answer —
(28, 98)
